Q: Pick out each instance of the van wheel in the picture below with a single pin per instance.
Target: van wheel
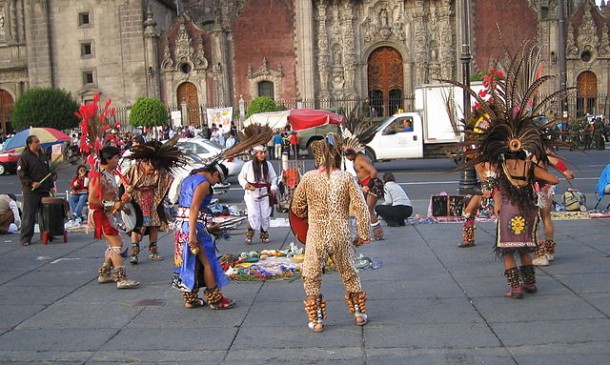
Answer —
(2, 169)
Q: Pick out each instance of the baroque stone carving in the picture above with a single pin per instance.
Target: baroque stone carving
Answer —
(2, 24)
(380, 23)
(264, 71)
(167, 62)
(571, 47)
(587, 33)
(184, 50)
(604, 43)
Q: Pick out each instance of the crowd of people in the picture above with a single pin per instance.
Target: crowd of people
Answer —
(589, 133)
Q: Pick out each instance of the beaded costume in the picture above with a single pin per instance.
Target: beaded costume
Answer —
(324, 196)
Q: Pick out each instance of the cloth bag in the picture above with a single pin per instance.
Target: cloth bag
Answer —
(574, 200)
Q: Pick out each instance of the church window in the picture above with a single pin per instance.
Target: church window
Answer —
(265, 88)
(88, 78)
(185, 68)
(86, 49)
(83, 19)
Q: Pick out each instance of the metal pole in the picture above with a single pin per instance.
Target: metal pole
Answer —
(468, 178)
(561, 56)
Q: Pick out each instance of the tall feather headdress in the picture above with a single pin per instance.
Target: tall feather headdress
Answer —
(357, 131)
(513, 110)
(253, 135)
(163, 156)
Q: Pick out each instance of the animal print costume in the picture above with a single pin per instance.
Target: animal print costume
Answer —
(326, 203)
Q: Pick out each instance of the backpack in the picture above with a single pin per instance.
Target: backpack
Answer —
(574, 200)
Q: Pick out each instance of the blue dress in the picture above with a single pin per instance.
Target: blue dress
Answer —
(188, 273)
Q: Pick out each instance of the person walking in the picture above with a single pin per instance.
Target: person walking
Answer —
(293, 138)
(146, 183)
(195, 261)
(324, 196)
(277, 144)
(79, 193)
(396, 207)
(104, 203)
(37, 182)
(259, 181)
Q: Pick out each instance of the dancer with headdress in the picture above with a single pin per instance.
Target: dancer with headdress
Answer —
(146, 183)
(324, 197)
(514, 142)
(195, 262)
(104, 199)
(104, 203)
(259, 181)
(357, 132)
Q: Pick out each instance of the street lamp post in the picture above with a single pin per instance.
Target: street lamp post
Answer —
(561, 57)
(468, 178)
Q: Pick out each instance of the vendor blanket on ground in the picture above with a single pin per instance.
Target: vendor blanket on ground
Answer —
(276, 265)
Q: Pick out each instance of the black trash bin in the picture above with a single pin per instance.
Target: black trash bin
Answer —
(53, 216)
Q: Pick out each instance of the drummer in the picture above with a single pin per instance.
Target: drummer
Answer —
(147, 182)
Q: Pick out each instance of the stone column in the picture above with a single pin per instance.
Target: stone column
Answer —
(151, 45)
(38, 44)
(305, 66)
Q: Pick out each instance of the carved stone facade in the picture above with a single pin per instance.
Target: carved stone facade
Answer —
(204, 53)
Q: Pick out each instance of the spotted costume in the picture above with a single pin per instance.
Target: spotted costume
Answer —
(326, 200)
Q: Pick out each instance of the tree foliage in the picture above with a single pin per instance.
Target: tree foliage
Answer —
(148, 112)
(262, 104)
(45, 107)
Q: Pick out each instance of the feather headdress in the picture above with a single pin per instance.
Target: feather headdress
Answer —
(252, 136)
(357, 131)
(163, 156)
(94, 126)
(513, 111)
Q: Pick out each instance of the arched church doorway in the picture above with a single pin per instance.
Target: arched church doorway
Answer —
(586, 94)
(385, 80)
(6, 108)
(187, 93)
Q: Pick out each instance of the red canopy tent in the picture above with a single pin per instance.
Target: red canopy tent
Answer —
(301, 119)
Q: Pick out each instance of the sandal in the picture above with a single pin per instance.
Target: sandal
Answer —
(249, 236)
(515, 293)
(363, 316)
(197, 303)
(312, 326)
(224, 303)
(216, 300)
(155, 257)
(466, 245)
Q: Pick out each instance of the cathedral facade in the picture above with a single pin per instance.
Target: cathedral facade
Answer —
(197, 54)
